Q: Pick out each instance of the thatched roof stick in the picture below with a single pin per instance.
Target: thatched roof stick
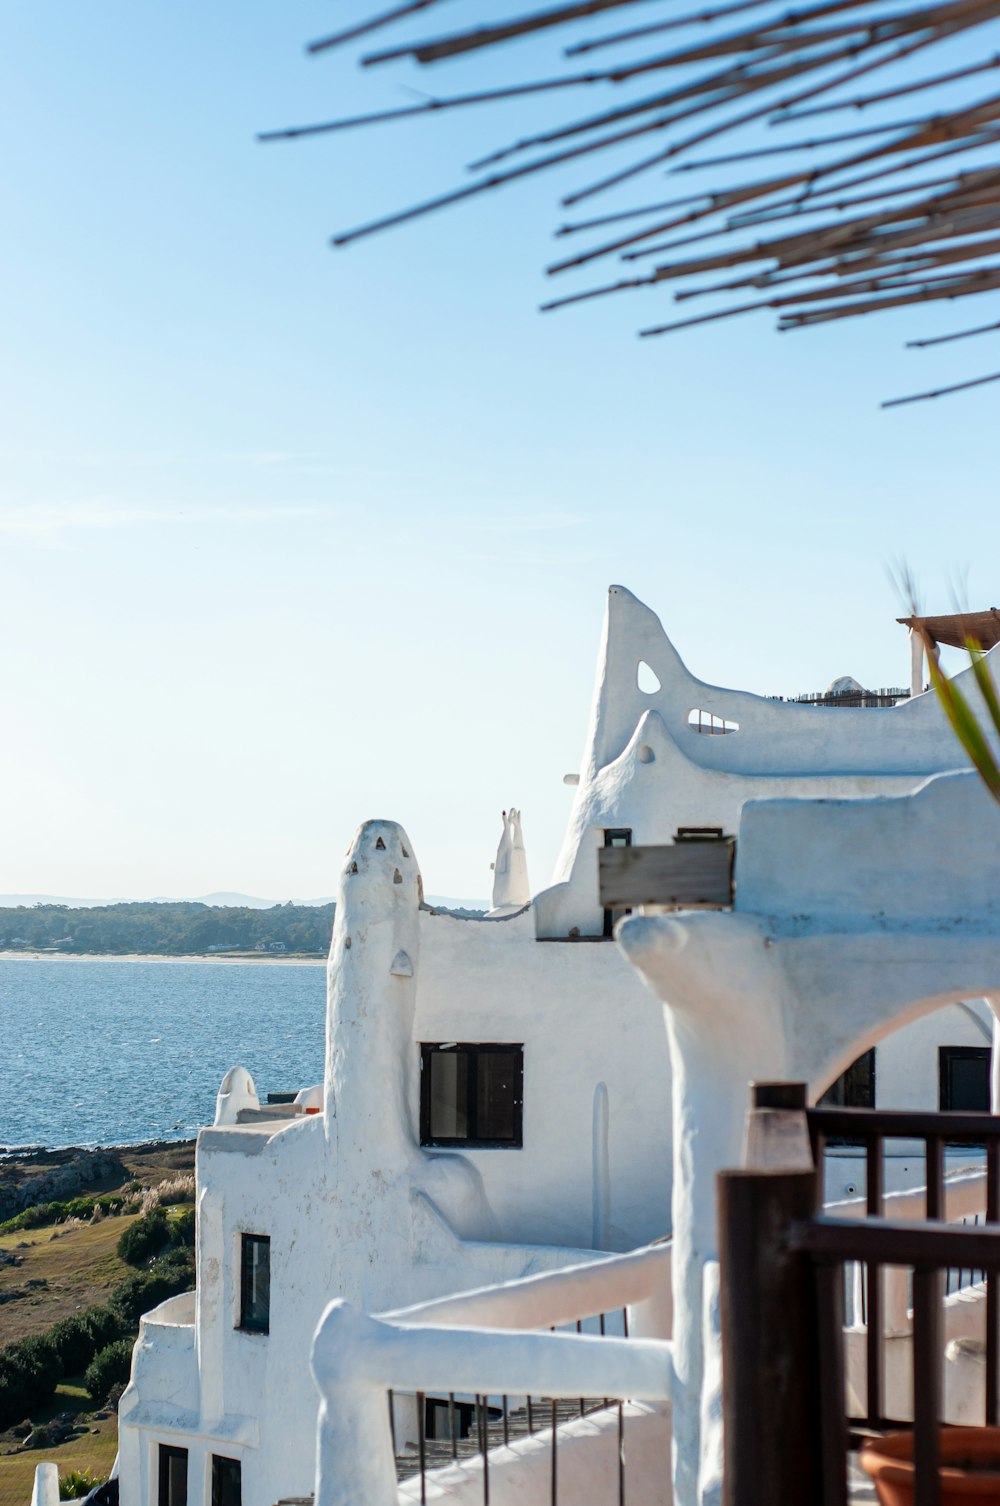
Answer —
(692, 18)
(804, 247)
(820, 203)
(804, 243)
(645, 164)
(737, 196)
(432, 106)
(585, 297)
(862, 102)
(485, 184)
(985, 281)
(962, 334)
(634, 214)
(920, 397)
(888, 171)
(670, 98)
(799, 146)
(789, 321)
(373, 24)
(489, 36)
(728, 82)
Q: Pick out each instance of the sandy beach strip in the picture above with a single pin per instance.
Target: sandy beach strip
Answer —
(26, 954)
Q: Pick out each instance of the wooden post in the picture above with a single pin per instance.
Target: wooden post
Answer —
(777, 1133)
(770, 1341)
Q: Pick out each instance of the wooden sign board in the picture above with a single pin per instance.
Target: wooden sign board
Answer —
(686, 874)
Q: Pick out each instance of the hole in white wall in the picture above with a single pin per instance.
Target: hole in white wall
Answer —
(707, 721)
(646, 754)
(647, 678)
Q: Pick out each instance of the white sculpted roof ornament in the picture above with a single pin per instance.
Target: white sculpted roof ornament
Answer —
(511, 889)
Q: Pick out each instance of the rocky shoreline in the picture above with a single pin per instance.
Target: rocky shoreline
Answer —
(34, 1175)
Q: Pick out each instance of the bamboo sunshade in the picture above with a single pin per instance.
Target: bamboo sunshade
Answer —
(957, 628)
(904, 211)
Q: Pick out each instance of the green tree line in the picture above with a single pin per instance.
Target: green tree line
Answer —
(170, 929)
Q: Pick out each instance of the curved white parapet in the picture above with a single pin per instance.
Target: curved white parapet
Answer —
(356, 1359)
(45, 1490)
(236, 1093)
(773, 737)
(646, 767)
(164, 1373)
(310, 1100)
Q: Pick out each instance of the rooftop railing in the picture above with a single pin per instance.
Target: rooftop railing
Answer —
(556, 1397)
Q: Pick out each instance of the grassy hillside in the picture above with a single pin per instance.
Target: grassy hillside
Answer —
(65, 1268)
(93, 1451)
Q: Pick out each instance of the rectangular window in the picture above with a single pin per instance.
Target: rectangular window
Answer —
(255, 1283)
(173, 1488)
(471, 1094)
(443, 1421)
(616, 836)
(227, 1481)
(855, 1088)
(964, 1075)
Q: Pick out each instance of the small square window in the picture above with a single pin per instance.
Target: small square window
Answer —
(471, 1094)
(964, 1073)
(255, 1283)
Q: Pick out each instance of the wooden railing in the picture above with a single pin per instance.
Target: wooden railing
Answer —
(787, 1432)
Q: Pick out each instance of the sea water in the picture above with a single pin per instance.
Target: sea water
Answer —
(117, 1052)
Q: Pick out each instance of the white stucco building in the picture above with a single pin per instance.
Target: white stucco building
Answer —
(497, 1091)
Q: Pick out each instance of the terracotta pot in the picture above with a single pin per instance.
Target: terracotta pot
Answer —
(970, 1466)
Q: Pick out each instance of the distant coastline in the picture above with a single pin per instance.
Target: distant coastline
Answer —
(31, 954)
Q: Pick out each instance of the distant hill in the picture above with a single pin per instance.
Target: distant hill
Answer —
(170, 929)
(221, 898)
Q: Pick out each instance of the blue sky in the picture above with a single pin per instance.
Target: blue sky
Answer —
(291, 537)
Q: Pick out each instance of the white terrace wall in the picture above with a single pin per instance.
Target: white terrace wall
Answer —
(645, 768)
(584, 1019)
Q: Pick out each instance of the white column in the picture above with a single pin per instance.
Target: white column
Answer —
(916, 663)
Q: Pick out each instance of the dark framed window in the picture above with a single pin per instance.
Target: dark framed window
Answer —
(855, 1088)
(616, 836)
(173, 1467)
(964, 1076)
(471, 1094)
(255, 1283)
(227, 1481)
(441, 1418)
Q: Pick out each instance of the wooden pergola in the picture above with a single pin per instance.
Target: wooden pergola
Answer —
(980, 630)
(852, 220)
(956, 629)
